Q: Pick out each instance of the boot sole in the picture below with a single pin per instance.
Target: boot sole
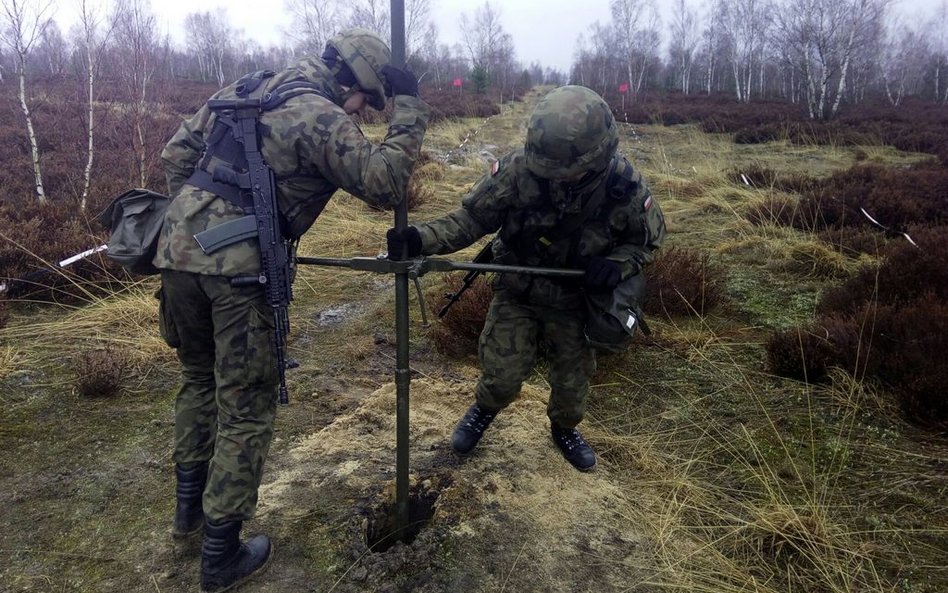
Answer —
(240, 582)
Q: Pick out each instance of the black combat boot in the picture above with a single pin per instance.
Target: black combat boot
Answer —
(470, 429)
(574, 448)
(188, 513)
(226, 561)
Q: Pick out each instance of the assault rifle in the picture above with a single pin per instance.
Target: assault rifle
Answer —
(274, 250)
(484, 256)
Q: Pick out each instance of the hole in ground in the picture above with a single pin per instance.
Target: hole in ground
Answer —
(380, 529)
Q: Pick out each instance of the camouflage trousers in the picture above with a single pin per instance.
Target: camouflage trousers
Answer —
(225, 410)
(514, 333)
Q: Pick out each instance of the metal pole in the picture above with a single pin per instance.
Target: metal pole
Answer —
(402, 368)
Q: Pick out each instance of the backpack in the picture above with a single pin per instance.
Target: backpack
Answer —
(135, 219)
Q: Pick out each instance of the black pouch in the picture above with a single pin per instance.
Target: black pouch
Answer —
(135, 219)
(612, 318)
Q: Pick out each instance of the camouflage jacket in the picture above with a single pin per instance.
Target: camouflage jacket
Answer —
(526, 210)
(313, 147)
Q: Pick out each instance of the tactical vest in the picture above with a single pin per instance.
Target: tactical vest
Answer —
(532, 246)
(224, 157)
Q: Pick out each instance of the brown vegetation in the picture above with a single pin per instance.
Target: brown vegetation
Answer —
(100, 372)
(887, 323)
(456, 333)
(683, 282)
(916, 125)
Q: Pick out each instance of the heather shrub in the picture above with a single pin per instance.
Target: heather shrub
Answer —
(759, 135)
(799, 354)
(852, 241)
(100, 372)
(906, 273)
(456, 333)
(897, 345)
(775, 209)
(34, 238)
(683, 282)
(894, 197)
(763, 177)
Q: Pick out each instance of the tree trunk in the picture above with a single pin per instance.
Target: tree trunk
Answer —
(87, 173)
(34, 147)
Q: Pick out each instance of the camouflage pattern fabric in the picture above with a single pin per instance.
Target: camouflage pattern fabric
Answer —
(224, 335)
(571, 131)
(223, 339)
(513, 334)
(529, 196)
(365, 53)
(527, 209)
(313, 147)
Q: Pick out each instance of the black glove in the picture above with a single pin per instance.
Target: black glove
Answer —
(399, 241)
(399, 82)
(602, 274)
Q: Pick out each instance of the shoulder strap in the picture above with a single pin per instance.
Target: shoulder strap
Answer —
(621, 179)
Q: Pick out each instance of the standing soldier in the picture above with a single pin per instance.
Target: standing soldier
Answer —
(564, 200)
(224, 330)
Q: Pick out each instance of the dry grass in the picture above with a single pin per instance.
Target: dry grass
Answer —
(736, 481)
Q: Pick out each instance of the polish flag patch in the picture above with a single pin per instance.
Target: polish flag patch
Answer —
(648, 203)
(495, 168)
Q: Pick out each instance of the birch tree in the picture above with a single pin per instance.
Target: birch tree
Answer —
(136, 37)
(211, 39)
(822, 39)
(24, 22)
(635, 23)
(940, 50)
(746, 25)
(685, 37)
(905, 51)
(92, 45)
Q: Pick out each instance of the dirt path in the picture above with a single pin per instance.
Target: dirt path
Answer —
(87, 486)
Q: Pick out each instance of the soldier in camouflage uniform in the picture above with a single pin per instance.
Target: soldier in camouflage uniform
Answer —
(532, 198)
(223, 332)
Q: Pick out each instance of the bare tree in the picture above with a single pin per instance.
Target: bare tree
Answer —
(940, 41)
(212, 38)
(419, 30)
(685, 37)
(822, 39)
(483, 37)
(904, 60)
(92, 44)
(51, 53)
(713, 43)
(136, 37)
(314, 23)
(745, 24)
(371, 15)
(24, 23)
(635, 23)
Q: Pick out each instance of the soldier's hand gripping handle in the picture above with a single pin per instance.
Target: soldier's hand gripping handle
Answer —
(399, 82)
(405, 243)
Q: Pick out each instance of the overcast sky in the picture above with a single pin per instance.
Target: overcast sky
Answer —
(542, 30)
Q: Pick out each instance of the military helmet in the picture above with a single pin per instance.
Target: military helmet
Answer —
(365, 53)
(571, 131)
